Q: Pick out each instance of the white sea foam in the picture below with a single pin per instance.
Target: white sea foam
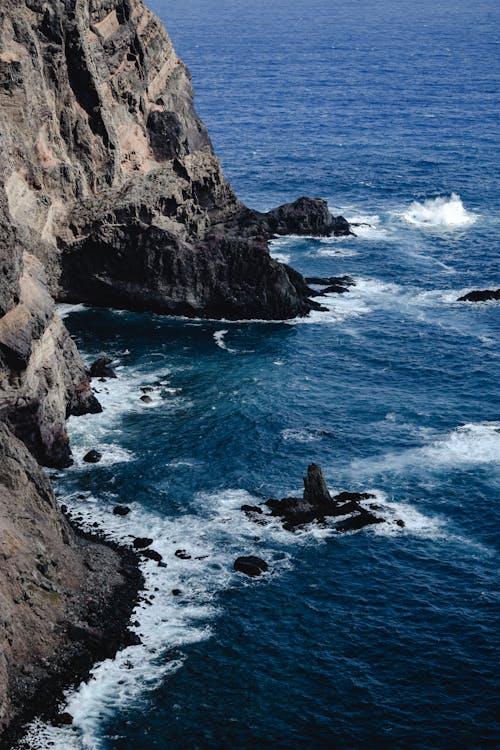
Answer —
(442, 212)
(281, 257)
(365, 296)
(333, 252)
(415, 522)
(368, 227)
(472, 444)
(64, 310)
(302, 435)
(219, 340)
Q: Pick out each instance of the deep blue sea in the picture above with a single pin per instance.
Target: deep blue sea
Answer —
(385, 638)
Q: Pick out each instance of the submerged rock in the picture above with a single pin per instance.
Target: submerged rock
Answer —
(331, 284)
(251, 509)
(152, 554)
(359, 521)
(182, 554)
(480, 295)
(250, 565)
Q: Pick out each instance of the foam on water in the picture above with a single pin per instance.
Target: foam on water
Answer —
(472, 444)
(368, 227)
(65, 309)
(117, 397)
(282, 257)
(442, 212)
(219, 340)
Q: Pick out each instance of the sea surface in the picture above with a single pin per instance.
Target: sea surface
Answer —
(385, 638)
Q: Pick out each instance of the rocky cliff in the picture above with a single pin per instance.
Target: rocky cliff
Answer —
(62, 598)
(110, 176)
(110, 194)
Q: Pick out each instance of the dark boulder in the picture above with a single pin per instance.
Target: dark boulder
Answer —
(101, 368)
(63, 719)
(121, 510)
(147, 399)
(251, 566)
(141, 542)
(151, 554)
(480, 295)
(92, 457)
(345, 497)
(182, 554)
(306, 216)
(359, 521)
(251, 509)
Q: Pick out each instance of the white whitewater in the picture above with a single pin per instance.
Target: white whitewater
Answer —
(441, 212)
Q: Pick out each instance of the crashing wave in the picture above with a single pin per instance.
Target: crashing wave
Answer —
(439, 212)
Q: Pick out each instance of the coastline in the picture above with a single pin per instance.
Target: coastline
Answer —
(75, 658)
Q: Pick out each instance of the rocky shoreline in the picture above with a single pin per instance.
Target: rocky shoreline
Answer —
(81, 648)
(110, 194)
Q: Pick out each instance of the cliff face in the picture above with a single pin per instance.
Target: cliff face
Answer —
(111, 194)
(110, 176)
(55, 589)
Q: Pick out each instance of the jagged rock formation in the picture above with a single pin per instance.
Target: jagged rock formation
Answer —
(110, 176)
(317, 504)
(59, 594)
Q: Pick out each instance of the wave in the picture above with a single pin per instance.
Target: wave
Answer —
(219, 340)
(368, 227)
(281, 257)
(440, 212)
(66, 309)
(471, 444)
(118, 397)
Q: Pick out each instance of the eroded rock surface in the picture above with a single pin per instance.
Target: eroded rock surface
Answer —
(111, 179)
(60, 595)
(317, 504)
(42, 378)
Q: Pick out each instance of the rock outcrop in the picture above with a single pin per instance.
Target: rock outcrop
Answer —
(64, 600)
(317, 504)
(480, 295)
(111, 179)
(42, 378)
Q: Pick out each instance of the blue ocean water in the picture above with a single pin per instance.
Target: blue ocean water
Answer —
(387, 638)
